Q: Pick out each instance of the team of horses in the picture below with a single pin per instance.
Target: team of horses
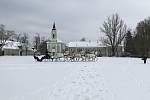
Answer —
(68, 56)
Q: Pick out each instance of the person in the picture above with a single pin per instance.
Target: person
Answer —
(144, 59)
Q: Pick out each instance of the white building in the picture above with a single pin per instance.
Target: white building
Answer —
(14, 48)
(90, 46)
(54, 45)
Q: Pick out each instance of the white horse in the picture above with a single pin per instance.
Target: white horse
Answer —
(77, 56)
(58, 56)
(91, 56)
(66, 55)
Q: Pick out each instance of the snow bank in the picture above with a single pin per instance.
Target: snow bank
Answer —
(22, 78)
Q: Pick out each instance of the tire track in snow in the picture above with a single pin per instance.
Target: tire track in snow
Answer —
(86, 84)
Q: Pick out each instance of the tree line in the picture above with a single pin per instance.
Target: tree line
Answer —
(136, 43)
(37, 42)
(116, 33)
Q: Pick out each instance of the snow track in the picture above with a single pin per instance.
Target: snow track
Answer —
(106, 79)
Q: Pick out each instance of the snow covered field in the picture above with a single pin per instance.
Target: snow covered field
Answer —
(22, 78)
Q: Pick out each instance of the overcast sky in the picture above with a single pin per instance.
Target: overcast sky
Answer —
(74, 18)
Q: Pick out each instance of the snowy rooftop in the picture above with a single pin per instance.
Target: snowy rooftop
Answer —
(58, 40)
(11, 45)
(85, 44)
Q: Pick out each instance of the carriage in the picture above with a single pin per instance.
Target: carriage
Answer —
(68, 56)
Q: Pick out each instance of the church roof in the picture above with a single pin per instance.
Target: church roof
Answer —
(85, 44)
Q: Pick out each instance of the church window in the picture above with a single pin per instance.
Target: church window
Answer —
(53, 36)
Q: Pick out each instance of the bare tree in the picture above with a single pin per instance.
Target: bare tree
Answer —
(25, 42)
(4, 35)
(36, 41)
(115, 31)
(17, 37)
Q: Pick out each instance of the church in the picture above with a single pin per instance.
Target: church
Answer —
(56, 46)
(53, 44)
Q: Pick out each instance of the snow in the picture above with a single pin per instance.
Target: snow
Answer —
(85, 44)
(22, 78)
(11, 45)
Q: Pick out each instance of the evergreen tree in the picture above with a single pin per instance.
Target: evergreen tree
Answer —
(142, 38)
(42, 47)
(83, 39)
(129, 43)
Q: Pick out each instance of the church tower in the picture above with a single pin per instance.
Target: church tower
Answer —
(54, 34)
(54, 46)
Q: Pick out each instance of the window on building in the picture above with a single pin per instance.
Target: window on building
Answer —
(53, 36)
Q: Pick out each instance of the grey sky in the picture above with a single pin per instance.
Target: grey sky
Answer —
(74, 18)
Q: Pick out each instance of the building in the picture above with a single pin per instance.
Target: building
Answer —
(101, 49)
(14, 49)
(54, 45)
(11, 48)
(87, 47)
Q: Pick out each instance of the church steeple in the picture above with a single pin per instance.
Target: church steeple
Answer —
(54, 33)
(54, 26)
